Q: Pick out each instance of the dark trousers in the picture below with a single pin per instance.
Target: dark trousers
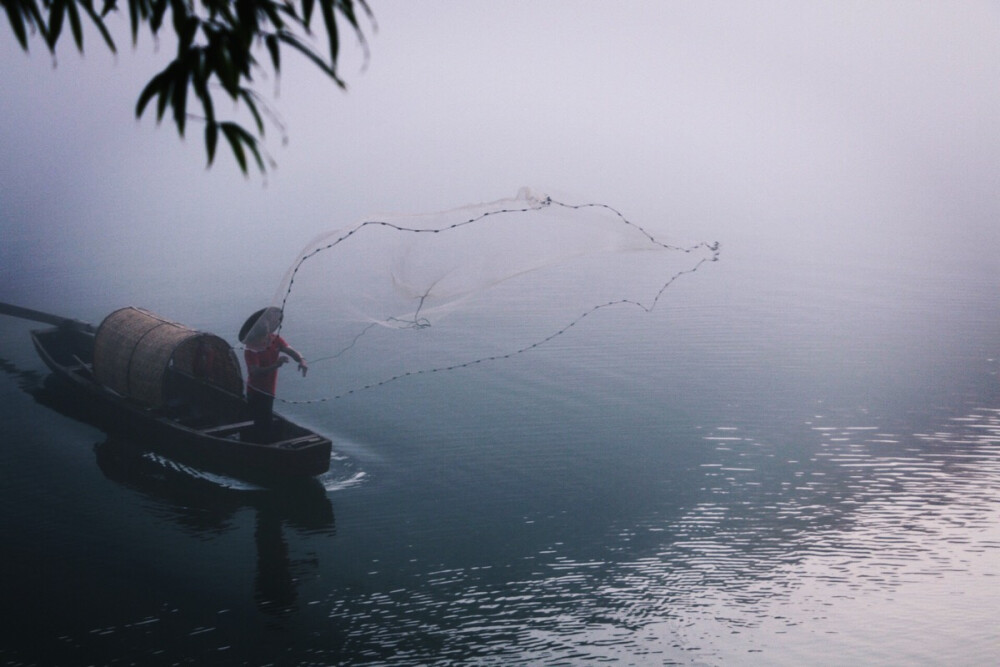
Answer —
(261, 406)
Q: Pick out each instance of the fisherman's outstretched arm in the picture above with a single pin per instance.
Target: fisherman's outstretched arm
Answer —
(303, 366)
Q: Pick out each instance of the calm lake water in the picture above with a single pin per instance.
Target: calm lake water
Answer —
(794, 459)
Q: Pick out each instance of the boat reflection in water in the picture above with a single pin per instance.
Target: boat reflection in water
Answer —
(203, 504)
(166, 559)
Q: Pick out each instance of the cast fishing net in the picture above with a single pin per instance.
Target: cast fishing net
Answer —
(393, 297)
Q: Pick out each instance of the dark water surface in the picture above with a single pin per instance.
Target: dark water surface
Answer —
(793, 460)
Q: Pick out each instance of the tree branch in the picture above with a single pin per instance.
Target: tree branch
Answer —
(217, 42)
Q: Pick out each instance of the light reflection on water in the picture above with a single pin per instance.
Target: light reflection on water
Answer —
(870, 517)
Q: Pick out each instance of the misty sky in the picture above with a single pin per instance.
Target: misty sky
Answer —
(816, 126)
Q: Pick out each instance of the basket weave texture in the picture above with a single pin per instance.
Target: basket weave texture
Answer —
(135, 350)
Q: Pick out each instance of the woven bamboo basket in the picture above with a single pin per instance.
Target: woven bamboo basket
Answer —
(135, 350)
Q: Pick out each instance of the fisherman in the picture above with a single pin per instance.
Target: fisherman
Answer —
(264, 355)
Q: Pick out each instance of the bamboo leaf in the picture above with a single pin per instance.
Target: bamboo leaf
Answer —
(199, 81)
(160, 86)
(347, 9)
(152, 88)
(17, 24)
(368, 10)
(211, 139)
(246, 24)
(56, 15)
(352, 18)
(159, 10)
(185, 25)
(240, 140)
(166, 92)
(133, 18)
(273, 13)
(99, 22)
(271, 41)
(307, 51)
(74, 24)
(228, 75)
(247, 96)
(34, 15)
(330, 22)
(179, 101)
(231, 132)
(251, 143)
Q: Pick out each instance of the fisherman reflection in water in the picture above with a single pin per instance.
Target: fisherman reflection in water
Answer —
(264, 355)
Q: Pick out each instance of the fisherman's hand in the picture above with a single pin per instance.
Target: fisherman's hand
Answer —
(303, 366)
(282, 361)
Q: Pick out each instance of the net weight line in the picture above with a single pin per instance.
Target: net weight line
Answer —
(419, 322)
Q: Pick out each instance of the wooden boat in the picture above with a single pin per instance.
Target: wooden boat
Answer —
(171, 388)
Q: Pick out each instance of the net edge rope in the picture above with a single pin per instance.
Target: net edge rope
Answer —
(540, 203)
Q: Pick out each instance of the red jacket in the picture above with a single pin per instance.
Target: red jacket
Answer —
(258, 357)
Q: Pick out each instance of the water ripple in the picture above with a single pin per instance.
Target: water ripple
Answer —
(775, 546)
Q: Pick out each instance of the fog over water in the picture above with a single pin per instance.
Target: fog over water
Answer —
(810, 128)
(794, 458)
